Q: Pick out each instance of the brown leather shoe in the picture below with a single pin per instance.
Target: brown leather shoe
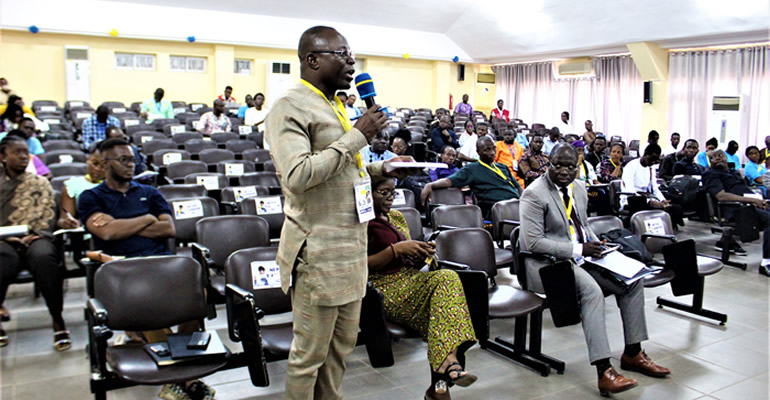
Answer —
(431, 394)
(642, 363)
(612, 382)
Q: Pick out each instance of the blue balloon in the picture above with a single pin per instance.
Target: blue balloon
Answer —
(34, 29)
(455, 59)
(191, 39)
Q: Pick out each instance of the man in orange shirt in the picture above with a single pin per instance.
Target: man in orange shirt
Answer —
(509, 153)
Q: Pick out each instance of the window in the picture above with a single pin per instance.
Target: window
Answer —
(187, 64)
(242, 67)
(281, 68)
(135, 61)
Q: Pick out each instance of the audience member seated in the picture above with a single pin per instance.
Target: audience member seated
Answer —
(703, 157)
(5, 91)
(467, 151)
(350, 107)
(534, 162)
(114, 132)
(227, 97)
(596, 150)
(400, 147)
(732, 157)
(36, 165)
(29, 200)
(95, 127)
(687, 165)
(521, 137)
(75, 186)
(571, 137)
(215, 121)
(248, 103)
(666, 168)
(499, 112)
(11, 118)
(255, 116)
(470, 131)
(544, 206)
(489, 181)
(764, 155)
(673, 146)
(126, 218)
(378, 149)
(564, 124)
(639, 177)
(586, 171)
(726, 184)
(432, 303)
(509, 153)
(448, 158)
(589, 135)
(157, 108)
(26, 127)
(443, 135)
(464, 106)
(612, 168)
(27, 112)
(754, 171)
(652, 138)
(551, 140)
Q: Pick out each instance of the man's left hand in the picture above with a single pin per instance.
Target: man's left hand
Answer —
(399, 173)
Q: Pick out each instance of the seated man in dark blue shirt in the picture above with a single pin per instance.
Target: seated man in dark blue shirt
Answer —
(443, 135)
(489, 181)
(448, 157)
(727, 185)
(688, 165)
(126, 218)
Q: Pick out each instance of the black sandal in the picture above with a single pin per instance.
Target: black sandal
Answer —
(460, 380)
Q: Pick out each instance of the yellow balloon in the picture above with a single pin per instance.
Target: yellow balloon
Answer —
(114, 32)
(406, 56)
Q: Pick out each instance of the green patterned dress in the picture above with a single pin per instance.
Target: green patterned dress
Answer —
(431, 303)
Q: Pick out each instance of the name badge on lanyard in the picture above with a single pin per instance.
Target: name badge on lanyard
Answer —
(364, 200)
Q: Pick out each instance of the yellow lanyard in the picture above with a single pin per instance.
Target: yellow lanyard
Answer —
(613, 163)
(342, 116)
(496, 170)
(707, 160)
(568, 209)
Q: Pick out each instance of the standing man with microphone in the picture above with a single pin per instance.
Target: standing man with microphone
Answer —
(323, 248)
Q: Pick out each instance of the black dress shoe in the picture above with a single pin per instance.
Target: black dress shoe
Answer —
(764, 270)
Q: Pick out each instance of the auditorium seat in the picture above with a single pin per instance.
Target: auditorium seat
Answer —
(185, 212)
(184, 137)
(260, 205)
(63, 156)
(51, 145)
(75, 168)
(195, 146)
(256, 155)
(177, 191)
(176, 171)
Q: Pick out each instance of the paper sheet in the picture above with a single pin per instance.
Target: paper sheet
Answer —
(187, 209)
(654, 226)
(265, 275)
(619, 264)
(210, 182)
(245, 129)
(268, 205)
(400, 198)
(233, 169)
(242, 192)
(172, 157)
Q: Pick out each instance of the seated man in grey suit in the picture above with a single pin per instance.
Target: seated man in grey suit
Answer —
(547, 229)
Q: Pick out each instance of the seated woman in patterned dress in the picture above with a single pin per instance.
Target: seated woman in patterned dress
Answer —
(431, 303)
(612, 168)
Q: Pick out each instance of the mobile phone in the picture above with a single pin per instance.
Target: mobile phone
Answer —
(160, 350)
(199, 340)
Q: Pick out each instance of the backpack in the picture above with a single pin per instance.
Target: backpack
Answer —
(683, 190)
(630, 244)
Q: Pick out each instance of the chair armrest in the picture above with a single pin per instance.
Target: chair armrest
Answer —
(453, 265)
(202, 255)
(91, 267)
(526, 254)
(444, 228)
(646, 236)
(97, 311)
(229, 207)
(500, 225)
(237, 300)
(98, 334)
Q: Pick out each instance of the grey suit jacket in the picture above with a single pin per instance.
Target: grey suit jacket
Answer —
(545, 225)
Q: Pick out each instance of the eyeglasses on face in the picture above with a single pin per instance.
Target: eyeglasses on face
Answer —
(341, 53)
(568, 167)
(122, 160)
(386, 192)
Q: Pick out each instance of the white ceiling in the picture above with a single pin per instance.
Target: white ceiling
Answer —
(496, 31)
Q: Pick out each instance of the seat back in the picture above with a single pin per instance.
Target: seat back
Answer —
(238, 270)
(238, 146)
(506, 210)
(615, 187)
(404, 199)
(652, 222)
(210, 180)
(135, 292)
(412, 217)
(235, 194)
(184, 137)
(604, 223)
(457, 216)
(256, 155)
(187, 211)
(447, 196)
(469, 246)
(65, 156)
(213, 156)
(195, 146)
(268, 207)
(141, 138)
(75, 168)
(171, 192)
(180, 169)
(263, 178)
(257, 137)
(223, 234)
(57, 183)
(233, 168)
(223, 137)
(51, 145)
(169, 156)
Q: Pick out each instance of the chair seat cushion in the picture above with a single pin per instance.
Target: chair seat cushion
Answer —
(509, 302)
(661, 278)
(276, 339)
(184, 251)
(218, 282)
(708, 266)
(398, 331)
(503, 257)
(132, 363)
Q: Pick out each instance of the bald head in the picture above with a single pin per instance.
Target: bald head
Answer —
(313, 39)
(326, 60)
(486, 149)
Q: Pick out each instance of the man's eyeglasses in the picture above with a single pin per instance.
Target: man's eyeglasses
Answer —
(122, 160)
(386, 193)
(568, 167)
(342, 53)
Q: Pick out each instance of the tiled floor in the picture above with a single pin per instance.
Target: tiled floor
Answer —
(708, 360)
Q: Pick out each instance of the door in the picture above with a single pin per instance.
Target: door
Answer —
(77, 73)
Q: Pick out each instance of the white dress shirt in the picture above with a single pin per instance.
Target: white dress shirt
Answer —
(468, 148)
(637, 178)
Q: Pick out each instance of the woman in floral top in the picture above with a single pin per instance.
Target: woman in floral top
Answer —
(612, 168)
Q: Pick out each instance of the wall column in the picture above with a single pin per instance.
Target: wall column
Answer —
(652, 63)
(224, 59)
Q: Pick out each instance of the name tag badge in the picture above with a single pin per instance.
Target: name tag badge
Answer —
(364, 201)
(515, 165)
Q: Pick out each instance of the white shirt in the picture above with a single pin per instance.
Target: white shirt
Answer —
(468, 147)
(581, 176)
(565, 127)
(254, 116)
(463, 137)
(669, 150)
(637, 178)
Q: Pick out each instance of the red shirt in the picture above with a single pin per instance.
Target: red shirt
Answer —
(496, 114)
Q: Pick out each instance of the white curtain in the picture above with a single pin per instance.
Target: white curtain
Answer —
(695, 77)
(611, 99)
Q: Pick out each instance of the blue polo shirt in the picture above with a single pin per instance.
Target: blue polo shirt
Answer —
(138, 200)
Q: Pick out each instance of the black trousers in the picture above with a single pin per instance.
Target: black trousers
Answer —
(41, 258)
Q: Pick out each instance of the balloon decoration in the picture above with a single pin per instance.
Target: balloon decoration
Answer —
(114, 32)
(191, 39)
(455, 59)
(34, 29)
(406, 56)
